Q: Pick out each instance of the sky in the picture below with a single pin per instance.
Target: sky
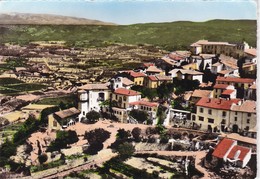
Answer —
(137, 11)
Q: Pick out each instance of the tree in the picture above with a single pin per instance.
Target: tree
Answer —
(136, 132)
(150, 130)
(92, 116)
(47, 111)
(7, 149)
(125, 150)
(62, 105)
(161, 114)
(95, 139)
(123, 134)
(42, 158)
(97, 136)
(63, 138)
(139, 115)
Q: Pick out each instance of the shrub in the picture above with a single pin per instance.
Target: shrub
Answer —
(42, 158)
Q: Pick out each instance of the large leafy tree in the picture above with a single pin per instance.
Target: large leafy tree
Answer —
(125, 150)
(95, 139)
(92, 116)
(123, 134)
(136, 132)
(97, 136)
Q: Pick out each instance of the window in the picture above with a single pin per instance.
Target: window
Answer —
(54, 123)
(209, 111)
(235, 118)
(201, 110)
(235, 113)
(224, 113)
(210, 120)
(193, 117)
(248, 121)
(84, 113)
(249, 114)
(201, 118)
(116, 96)
(124, 98)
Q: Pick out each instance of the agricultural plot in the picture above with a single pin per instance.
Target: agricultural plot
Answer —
(14, 86)
(141, 163)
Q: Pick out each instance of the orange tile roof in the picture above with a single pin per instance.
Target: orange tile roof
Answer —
(215, 103)
(235, 80)
(223, 147)
(228, 92)
(67, 113)
(96, 86)
(201, 93)
(152, 78)
(148, 64)
(251, 51)
(224, 72)
(220, 86)
(243, 152)
(175, 57)
(127, 82)
(126, 92)
(153, 69)
(246, 106)
(145, 103)
(134, 74)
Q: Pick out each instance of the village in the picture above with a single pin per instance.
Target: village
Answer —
(132, 110)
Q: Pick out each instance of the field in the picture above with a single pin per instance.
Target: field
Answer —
(170, 36)
(57, 100)
(14, 86)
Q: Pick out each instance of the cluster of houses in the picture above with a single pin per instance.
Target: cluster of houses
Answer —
(226, 105)
(62, 67)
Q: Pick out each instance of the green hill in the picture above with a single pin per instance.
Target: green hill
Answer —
(174, 35)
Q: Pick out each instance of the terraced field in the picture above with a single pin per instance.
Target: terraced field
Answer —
(12, 86)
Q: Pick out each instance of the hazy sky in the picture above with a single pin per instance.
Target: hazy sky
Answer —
(130, 12)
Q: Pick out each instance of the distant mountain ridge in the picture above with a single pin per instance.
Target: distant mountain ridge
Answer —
(46, 19)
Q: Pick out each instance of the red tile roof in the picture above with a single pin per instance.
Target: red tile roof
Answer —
(251, 51)
(220, 86)
(235, 80)
(228, 92)
(222, 148)
(152, 78)
(243, 152)
(201, 93)
(134, 74)
(148, 64)
(175, 57)
(153, 69)
(217, 103)
(126, 92)
(145, 103)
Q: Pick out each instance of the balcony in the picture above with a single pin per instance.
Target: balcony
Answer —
(100, 99)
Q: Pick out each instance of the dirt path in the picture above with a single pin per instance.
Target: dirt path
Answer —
(199, 155)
